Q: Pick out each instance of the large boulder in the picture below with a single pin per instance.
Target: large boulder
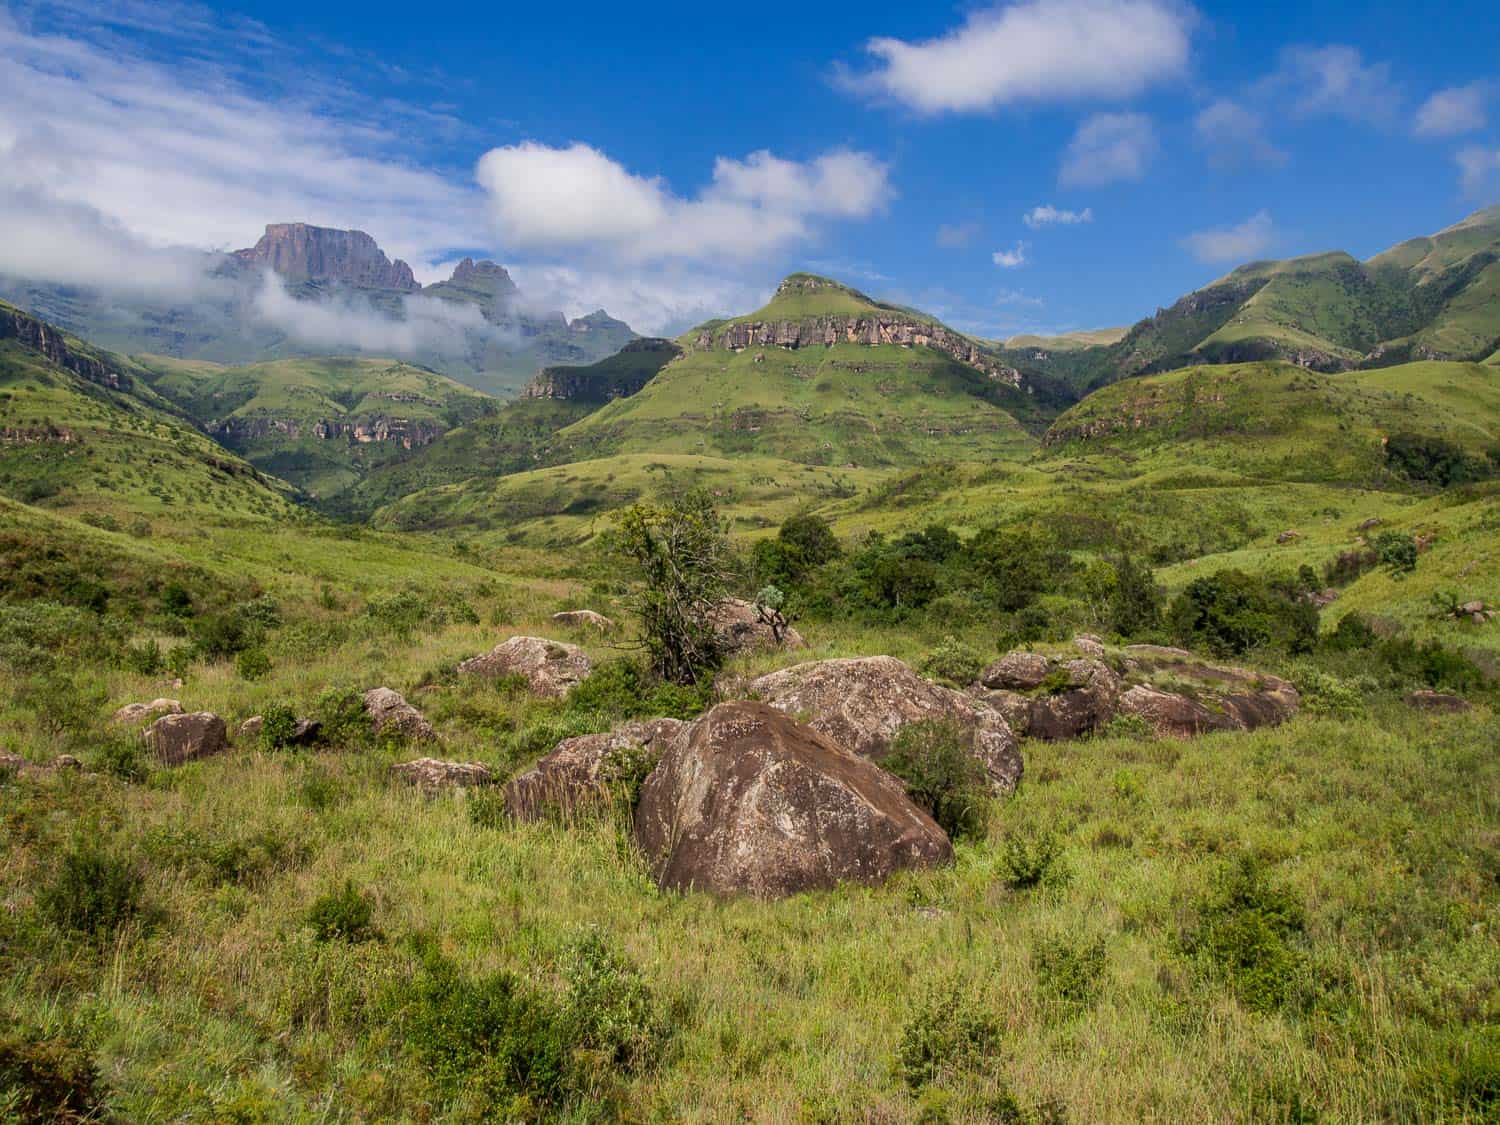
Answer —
(579, 771)
(748, 801)
(1017, 671)
(862, 704)
(740, 628)
(176, 739)
(1440, 701)
(1086, 703)
(390, 714)
(550, 668)
(432, 774)
(133, 714)
(583, 619)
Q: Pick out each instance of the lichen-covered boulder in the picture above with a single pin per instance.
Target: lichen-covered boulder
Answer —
(1017, 671)
(433, 774)
(740, 627)
(580, 771)
(583, 619)
(550, 668)
(390, 714)
(176, 739)
(134, 713)
(862, 703)
(748, 801)
(1087, 703)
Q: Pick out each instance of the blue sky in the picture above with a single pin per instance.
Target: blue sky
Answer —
(672, 163)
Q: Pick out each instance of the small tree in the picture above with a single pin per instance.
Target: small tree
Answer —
(680, 550)
(1136, 604)
(769, 603)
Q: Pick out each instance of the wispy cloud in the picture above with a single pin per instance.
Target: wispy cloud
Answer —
(1238, 243)
(1010, 259)
(1479, 170)
(1046, 215)
(1336, 81)
(1033, 51)
(1234, 136)
(1107, 148)
(1454, 111)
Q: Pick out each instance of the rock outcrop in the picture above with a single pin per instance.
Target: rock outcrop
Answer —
(748, 801)
(133, 713)
(619, 376)
(176, 739)
(740, 627)
(390, 714)
(863, 703)
(432, 774)
(43, 338)
(487, 277)
(301, 252)
(24, 767)
(1440, 701)
(550, 668)
(580, 772)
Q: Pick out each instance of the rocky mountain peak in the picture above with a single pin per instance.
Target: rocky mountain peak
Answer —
(801, 283)
(483, 274)
(302, 252)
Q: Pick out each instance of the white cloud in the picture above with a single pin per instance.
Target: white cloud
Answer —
(1479, 169)
(1235, 136)
(1451, 112)
(187, 155)
(578, 199)
(428, 325)
(1034, 51)
(1010, 259)
(1239, 243)
(957, 236)
(665, 303)
(1045, 215)
(1335, 81)
(1109, 147)
(1016, 297)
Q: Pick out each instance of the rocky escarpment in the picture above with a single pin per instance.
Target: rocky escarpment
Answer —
(620, 376)
(236, 432)
(300, 252)
(41, 337)
(490, 277)
(856, 328)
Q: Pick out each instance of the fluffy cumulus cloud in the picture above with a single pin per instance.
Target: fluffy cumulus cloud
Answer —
(427, 325)
(1010, 259)
(1034, 51)
(1336, 81)
(1046, 215)
(129, 161)
(662, 302)
(1107, 148)
(1454, 111)
(578, 199)
(1238, 243)
(1479, 170)
(1234, 136)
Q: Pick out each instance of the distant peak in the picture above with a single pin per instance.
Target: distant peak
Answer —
(484, 270)
(303, 252)
(797, 283)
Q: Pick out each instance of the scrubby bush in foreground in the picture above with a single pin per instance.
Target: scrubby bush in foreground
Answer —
(933, 758)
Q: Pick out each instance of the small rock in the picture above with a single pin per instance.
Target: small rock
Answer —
(432, 774)
(584, 618)
(1017, 671)
(1288, 536)
(134, 713)
(748, 801)
(1089, 645)
(1365, 525)
(251, 727)
(391, 714)
(1439, 701)
(24, 767)
(739, 627)
(66, 762)
(550, 668)
(576, 774)
(176, 739)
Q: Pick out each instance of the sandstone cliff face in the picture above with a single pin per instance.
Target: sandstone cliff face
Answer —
(41, 337)
(486, 275)
(880, 328)
(363, 431)
(299, 252)
(617, 377)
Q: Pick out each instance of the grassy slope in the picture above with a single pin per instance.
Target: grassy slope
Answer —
(869, 406)
(300, 393)
(1070, 341)
(129, 453)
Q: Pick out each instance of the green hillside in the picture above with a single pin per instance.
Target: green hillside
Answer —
(81, 430)
(322, 424)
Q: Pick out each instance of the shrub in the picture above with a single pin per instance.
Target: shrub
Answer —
(319, 791)
(1434, 460)
(1136, 602)
(1069, 973)
(946, 1035)
(1396, 552)
(343, 915)
(222, 635)
(120, 756)
(1326, 694)
(611, 1011)
(486, 807)
(341, 717)
(1232, 612)
(45, 1077)
(953, 662)
(278, 726)
(1032, 859)
(91, 891)
(1244, 934)
(935, 760)
(623, 688)
(252, 664)
(1352, 634)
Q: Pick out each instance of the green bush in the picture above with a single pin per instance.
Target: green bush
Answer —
(486, 807)
(1326, 694)
(611, 1010)
(946, 1035)
(934, 759)
(340, 713)
(91, 891)
(1231, 612)
(252, 664)
(1135, 604)
(624, 688)
(953, 662)
(278, 726)
(343, 915)
(1396, 552)
(119, 756)
(1069, 974)
(1032, 859)
(1245, 935)
(46, 1077)
(1434, 460)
